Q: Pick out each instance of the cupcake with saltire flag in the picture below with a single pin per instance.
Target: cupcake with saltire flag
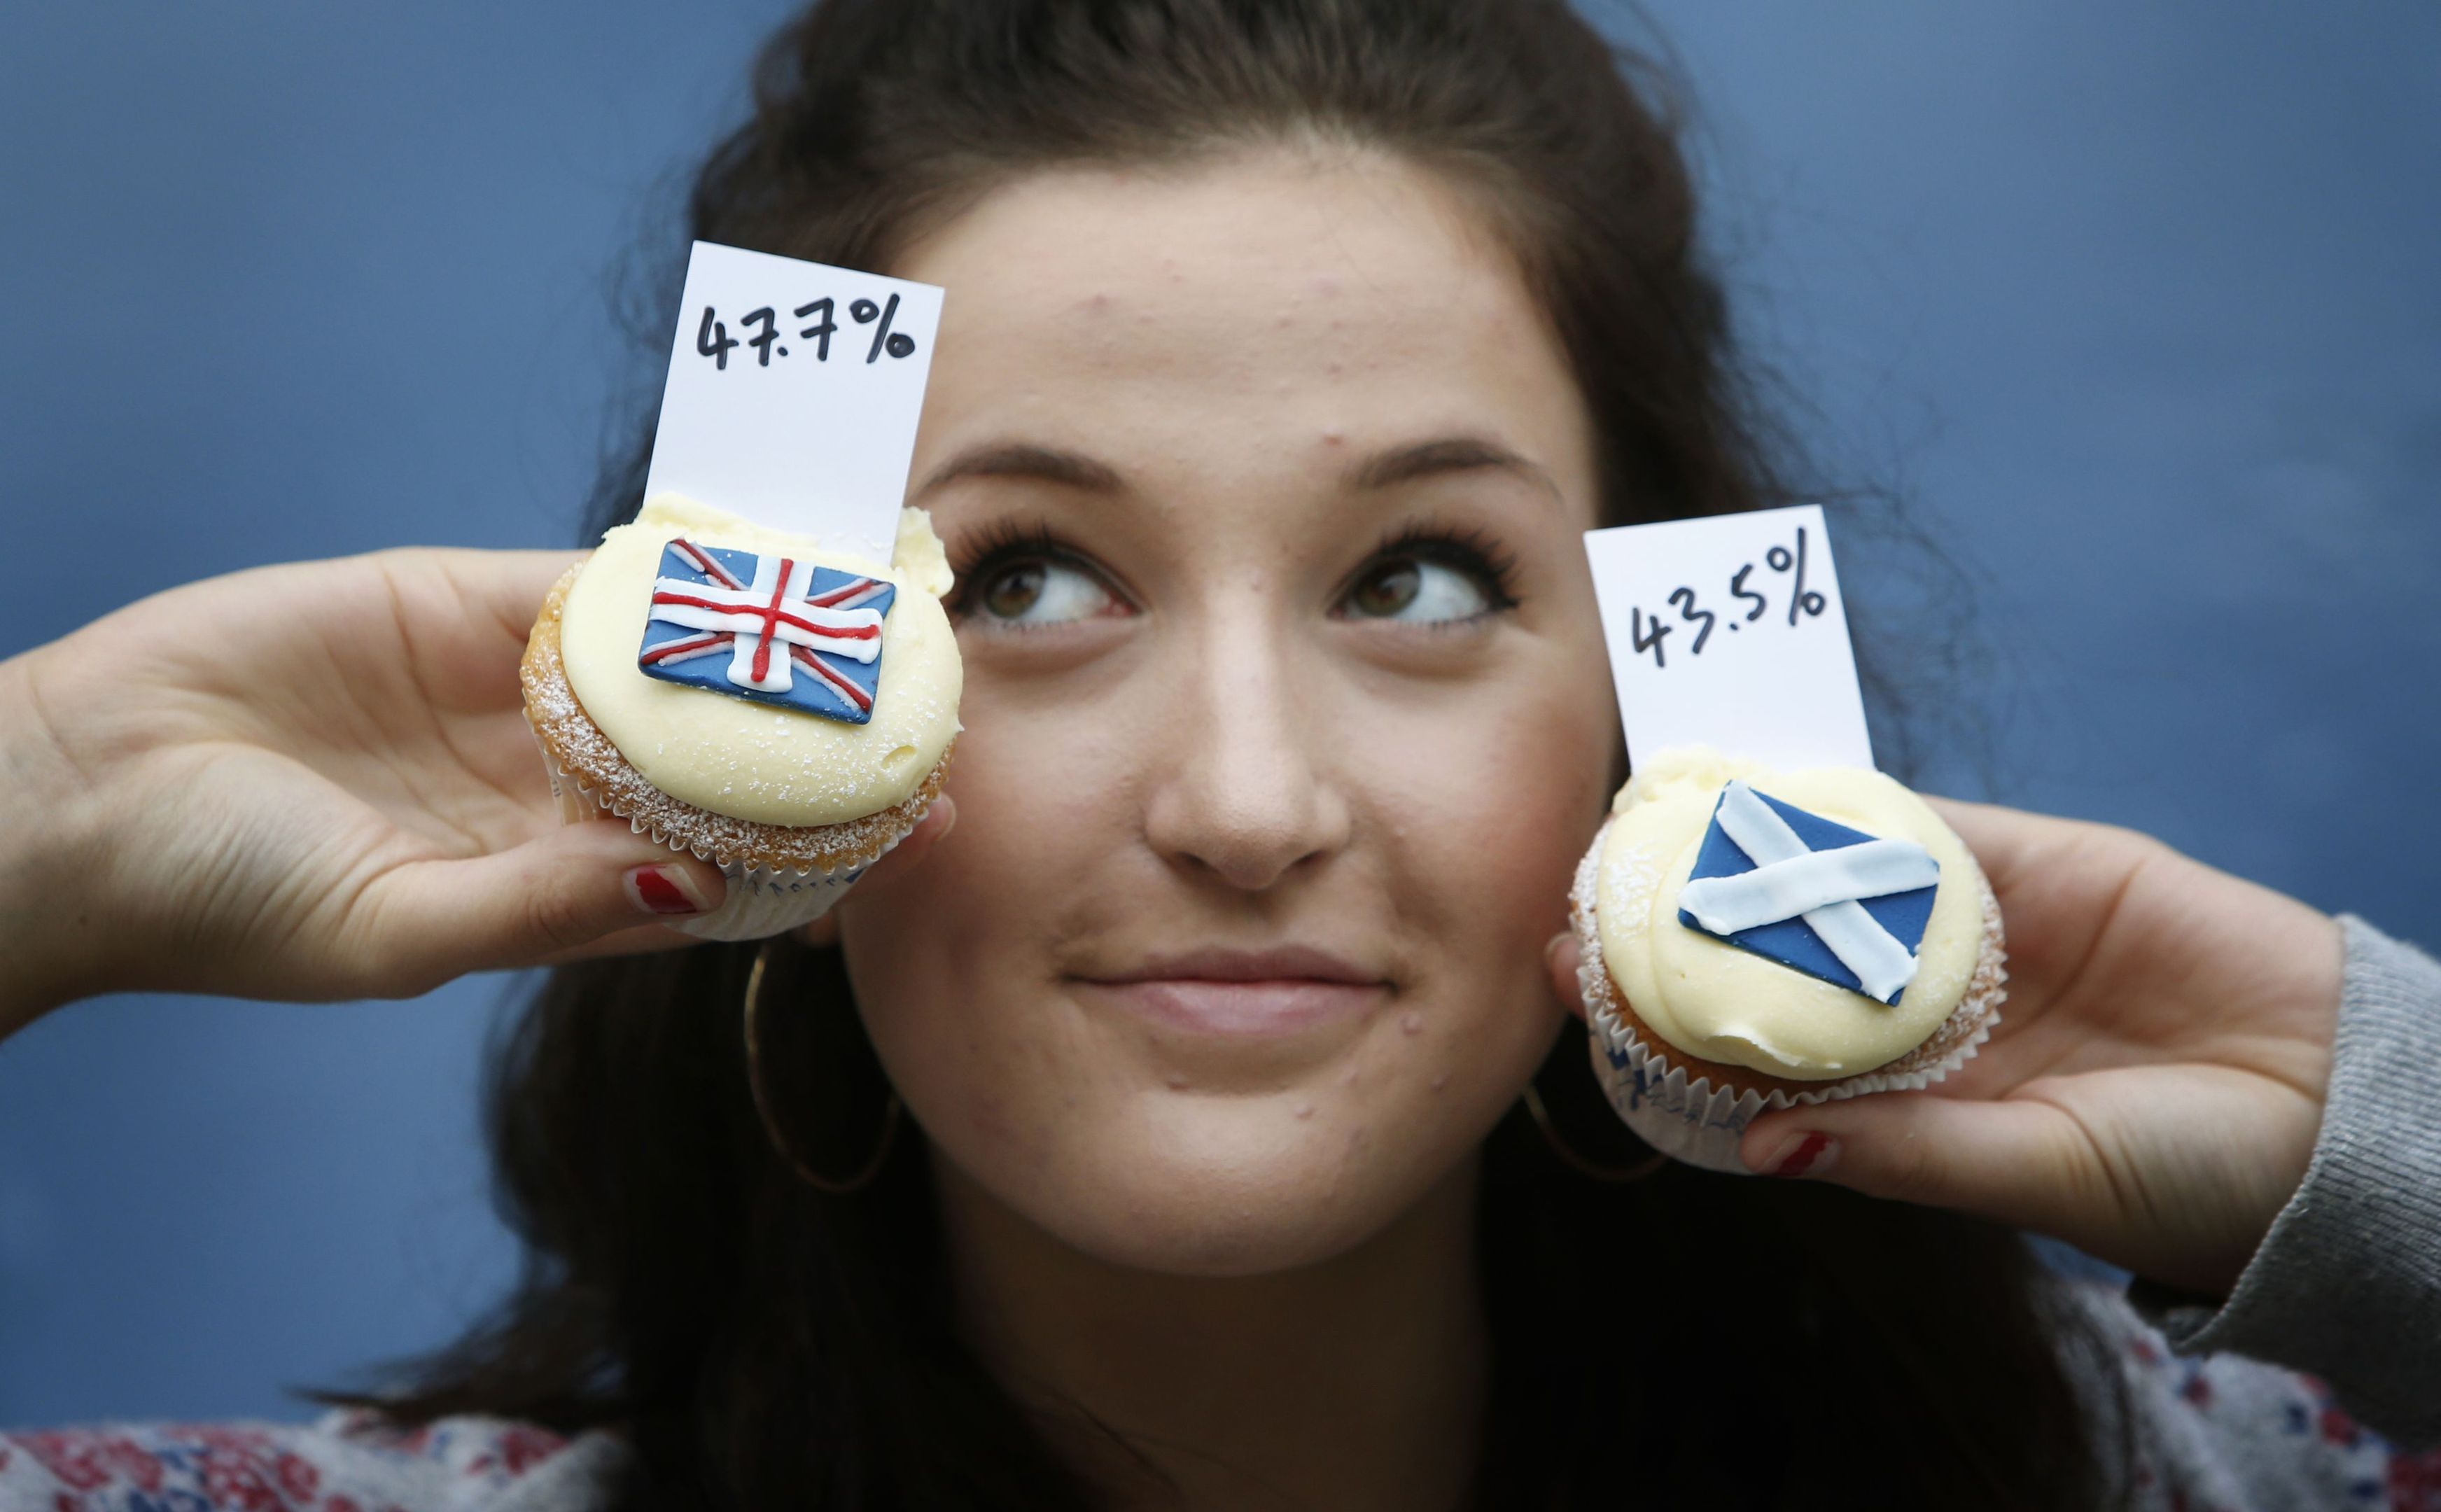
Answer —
(1753, 938)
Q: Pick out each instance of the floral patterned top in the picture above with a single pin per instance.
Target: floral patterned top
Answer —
(2225, 1433)
(348, 1462)
(2221, 1433)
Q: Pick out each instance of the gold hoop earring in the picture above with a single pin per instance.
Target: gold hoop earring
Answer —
(1614, 1174)
(872, 1167)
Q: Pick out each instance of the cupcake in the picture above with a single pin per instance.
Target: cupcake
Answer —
(1755, 939)
(736, 691)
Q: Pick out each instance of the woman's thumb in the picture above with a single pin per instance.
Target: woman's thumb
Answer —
(426, 922)
(2017, 1160)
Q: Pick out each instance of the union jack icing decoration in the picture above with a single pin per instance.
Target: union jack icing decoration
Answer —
(1827, 900)
(769, 629)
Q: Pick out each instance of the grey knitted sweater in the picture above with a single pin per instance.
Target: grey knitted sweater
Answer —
(2313, 1385)
(2317, 1380)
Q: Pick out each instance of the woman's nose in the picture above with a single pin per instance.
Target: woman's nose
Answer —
(1245, 796)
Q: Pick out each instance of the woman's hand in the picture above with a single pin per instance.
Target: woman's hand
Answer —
(303, 781)
(2154, 1088)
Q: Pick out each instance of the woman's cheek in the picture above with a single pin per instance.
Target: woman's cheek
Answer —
(1494, 787)
(1482, 797)
(957, 967)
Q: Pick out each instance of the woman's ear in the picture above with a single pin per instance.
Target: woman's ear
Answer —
(823, 932)
(1560, 957)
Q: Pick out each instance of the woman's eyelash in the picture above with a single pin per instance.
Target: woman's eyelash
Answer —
(1468, 550)
(1003, 540)
(998, 545)
(1006, 543)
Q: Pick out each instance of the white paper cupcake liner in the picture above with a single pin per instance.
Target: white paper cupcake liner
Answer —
(762, 900)
(1690, 1119)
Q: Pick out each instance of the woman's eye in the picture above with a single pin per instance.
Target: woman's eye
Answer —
(1416, 590)
(1039, 591)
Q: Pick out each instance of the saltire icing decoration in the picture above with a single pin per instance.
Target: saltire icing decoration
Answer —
(1827, 900)
(769, 629)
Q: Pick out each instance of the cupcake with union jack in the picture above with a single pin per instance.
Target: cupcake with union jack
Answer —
(1753, 939)
(740, 694)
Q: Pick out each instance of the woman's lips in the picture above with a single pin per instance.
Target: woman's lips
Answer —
(1243, 994)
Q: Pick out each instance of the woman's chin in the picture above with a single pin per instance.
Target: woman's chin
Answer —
(1220, 1186)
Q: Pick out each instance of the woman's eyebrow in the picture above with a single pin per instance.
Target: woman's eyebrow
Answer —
(1025, 460)
(1445, 454)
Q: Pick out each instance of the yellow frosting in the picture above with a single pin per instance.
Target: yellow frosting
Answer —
(1719, 1003)
(756, 761)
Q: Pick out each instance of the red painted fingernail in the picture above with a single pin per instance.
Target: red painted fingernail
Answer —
(1811, 1155)
(666, 890)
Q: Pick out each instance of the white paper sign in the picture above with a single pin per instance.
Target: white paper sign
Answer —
(793, 394)
(1729, 632)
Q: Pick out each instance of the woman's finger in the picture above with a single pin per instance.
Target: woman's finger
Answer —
(2021, 1161)
(506, 586)
(426, 922)
(2000, 838)
(643, 939)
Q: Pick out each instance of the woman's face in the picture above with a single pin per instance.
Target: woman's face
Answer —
(1285, 706)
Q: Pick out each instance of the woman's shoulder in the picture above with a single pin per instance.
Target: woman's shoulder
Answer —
(346, 1462)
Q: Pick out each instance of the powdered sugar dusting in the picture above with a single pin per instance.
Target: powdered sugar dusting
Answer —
(1631, 876)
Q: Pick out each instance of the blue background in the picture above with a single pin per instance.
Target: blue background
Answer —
(2138, 307)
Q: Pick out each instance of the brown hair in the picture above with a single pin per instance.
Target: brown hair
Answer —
(759, 1342)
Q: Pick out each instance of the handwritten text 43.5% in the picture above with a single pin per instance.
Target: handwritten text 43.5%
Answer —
(1803, 603)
